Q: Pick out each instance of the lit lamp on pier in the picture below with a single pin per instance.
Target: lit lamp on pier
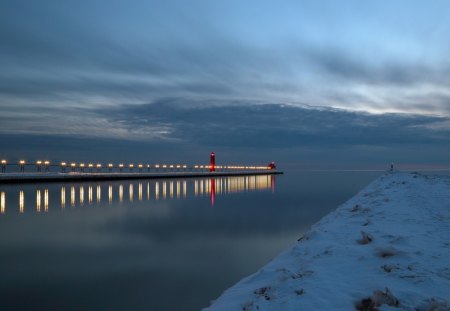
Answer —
(73, 166)
(140, 166)
(63, 167)
(148, 168)
(90, 165)
(164, 167)
(131, 166)
(99, 167)
(38, 165)
(110, 167)
(178, 167)
(4, 162)
(121, 167)
(157, 167)
(184, 167)
(22, 165)
(47, 166)
(82, 167)
(171, 167)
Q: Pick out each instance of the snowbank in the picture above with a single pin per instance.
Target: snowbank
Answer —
(387, 248)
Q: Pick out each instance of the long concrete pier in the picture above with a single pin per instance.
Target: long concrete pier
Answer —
(14, 178)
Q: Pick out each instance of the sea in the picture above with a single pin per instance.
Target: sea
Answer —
(159, 244)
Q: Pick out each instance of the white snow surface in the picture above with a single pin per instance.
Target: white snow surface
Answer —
(387, 248)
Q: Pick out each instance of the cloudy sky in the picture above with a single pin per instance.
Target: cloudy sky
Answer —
(309, 83)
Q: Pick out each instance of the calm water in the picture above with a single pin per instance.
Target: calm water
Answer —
(153, 245)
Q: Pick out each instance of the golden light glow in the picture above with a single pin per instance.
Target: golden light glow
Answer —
(140, 166)
(184, 166)
(130, 191)
(73, 164)
(63, 197)
(148, 191)
(131, 165)
(90, 165)
(184, 188)
(178, 188)
(120, 193)
(171, 166)
(90, 195)
(110, 194)
(157, 190)
(164, 166)
(2, 202)
(63, 164)
(38, 162)
(140, 192)
(99, 193)
(22, 162)
(99, 165)
(110, 165)
(171, 189)
(156, 165)
(4, 161)
(46, 200)
(21, 202)
(81, 164)
(47, 162)
(164, 189)
(72, 196)
(81, 195)
(38, 200)
(121, 165)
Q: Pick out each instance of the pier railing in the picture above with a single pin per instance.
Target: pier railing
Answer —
(45, 166)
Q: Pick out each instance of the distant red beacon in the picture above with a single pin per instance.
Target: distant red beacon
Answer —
(272, 166)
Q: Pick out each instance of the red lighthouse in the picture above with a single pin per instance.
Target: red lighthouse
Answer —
(212, 162)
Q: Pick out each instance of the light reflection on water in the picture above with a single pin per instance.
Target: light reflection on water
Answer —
(170, 189)
(172, 244)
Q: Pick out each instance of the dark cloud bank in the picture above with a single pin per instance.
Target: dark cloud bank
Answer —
(242, 132)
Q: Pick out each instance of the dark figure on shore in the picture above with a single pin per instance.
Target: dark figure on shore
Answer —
(392, 167)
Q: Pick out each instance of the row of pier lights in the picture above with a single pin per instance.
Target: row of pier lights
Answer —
(44, 166)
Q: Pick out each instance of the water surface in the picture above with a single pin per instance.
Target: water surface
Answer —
(153, 245)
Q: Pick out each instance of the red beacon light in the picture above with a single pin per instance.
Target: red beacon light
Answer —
(272, 166)
(212, 162)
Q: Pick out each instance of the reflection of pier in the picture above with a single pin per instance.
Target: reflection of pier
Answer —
(80, 176)
(80, 195)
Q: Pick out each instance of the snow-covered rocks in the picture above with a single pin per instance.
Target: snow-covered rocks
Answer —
(387, 248)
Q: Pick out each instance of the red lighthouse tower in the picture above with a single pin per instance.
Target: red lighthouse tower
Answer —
(212, 162)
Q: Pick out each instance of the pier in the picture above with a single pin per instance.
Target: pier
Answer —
(45, 171)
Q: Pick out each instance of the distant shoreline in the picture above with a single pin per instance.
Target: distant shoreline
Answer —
(14, 178)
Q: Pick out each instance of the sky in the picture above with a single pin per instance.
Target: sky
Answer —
(304, 83)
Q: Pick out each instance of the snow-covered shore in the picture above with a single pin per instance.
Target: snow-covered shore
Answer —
(387, 248)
